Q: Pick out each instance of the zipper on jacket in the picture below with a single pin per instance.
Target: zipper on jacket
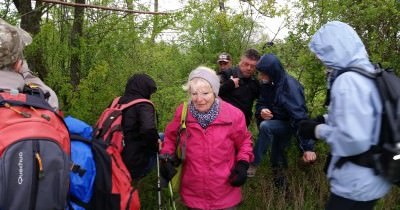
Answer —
(40, 165)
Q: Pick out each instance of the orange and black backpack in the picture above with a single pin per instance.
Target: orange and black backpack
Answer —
(113, 184)
(34, 154)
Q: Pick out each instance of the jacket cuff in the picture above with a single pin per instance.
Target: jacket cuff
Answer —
(316, 131)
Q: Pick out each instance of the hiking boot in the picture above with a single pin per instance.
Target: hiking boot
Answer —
(280, 179)
(281, 183)
(251, 172)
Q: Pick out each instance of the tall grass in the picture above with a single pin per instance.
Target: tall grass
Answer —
(308, 188)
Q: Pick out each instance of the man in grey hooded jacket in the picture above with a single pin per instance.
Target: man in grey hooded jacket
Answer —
(354, 117)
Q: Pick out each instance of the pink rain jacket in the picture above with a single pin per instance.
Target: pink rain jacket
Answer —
(211, 154)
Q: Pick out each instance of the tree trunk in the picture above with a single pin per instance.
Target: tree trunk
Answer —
(76, 34)
(30, 18)
(155, 30)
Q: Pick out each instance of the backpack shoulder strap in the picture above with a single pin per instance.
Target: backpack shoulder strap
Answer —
(184, 115)
(180, 152)
(77, 137)
(115, 102)
(361, 71)
(136, 101)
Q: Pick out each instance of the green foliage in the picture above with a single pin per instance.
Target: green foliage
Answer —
(167, 100)
(95, 89)
(260, 192)
(114, 46)
(209, 31)
(375, 21)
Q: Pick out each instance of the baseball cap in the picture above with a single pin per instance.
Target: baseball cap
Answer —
(12, 43)
(224, 57)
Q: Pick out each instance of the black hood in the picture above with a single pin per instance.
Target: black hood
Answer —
(138, 86)
(270, 64)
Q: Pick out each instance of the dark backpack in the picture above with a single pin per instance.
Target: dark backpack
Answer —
(384, 157)
(34, 154)
(113, 185)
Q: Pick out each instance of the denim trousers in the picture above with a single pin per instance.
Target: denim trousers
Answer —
(276, 133)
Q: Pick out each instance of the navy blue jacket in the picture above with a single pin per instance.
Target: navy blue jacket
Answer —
(283, 96)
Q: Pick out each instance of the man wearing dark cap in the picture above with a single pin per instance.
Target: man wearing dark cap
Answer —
(224, 63)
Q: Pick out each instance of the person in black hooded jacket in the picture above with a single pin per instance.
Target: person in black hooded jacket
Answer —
(139, 126)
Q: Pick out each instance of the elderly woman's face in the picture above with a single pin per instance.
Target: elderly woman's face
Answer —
(202, 96)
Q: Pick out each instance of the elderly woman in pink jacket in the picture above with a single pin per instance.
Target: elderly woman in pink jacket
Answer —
(217, 146)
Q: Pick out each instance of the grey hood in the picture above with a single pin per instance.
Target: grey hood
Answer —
(338, 46)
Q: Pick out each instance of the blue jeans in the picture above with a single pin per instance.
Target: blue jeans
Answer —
(276, 133)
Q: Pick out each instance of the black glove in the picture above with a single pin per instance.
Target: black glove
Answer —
(319, 119)
(239, 174)
(167, 168)
(307, 129)
(154, 146)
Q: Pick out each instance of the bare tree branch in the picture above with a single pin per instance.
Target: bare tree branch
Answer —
(257, 9)
(103, 7)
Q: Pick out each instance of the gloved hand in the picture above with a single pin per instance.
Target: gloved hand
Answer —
(319, 119)
(307, 129)
(167, 168)
(154, 146)
(239, 174)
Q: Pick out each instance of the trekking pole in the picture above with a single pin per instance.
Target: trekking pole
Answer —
(171, 193)
(158, 183)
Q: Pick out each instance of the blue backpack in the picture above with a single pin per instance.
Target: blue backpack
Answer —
(81, 185)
